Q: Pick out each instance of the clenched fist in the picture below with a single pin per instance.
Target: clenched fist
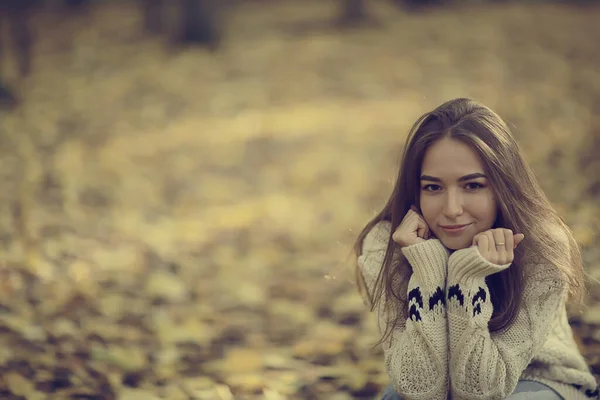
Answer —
(412, 230)
(497, 245)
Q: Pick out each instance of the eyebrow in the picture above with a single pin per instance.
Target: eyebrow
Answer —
(461, 179)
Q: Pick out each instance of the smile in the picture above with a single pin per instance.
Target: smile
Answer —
(454, 229)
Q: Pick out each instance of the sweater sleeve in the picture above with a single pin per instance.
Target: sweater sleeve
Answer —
(486, 365)
(416, 353)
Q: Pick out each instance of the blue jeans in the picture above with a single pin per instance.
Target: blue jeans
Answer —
(525, 390)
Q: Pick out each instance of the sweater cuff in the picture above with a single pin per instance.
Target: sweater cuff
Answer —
(469, 263)
(429, 260)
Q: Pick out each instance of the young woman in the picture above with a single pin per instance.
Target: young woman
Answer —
(469, 269)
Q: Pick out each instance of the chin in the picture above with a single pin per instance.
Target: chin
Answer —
(455, 244)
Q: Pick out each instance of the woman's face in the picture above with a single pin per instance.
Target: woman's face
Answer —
(457, 200)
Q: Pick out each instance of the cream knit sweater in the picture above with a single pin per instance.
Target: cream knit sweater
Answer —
(445, 350)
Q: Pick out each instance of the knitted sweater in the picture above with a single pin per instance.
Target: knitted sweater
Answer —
(444, 347)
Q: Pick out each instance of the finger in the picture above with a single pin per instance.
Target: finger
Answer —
(507, 254)
(411, 214)
(408, 219)
(499, 240)
(476, 239)
(509, 237)
(396, 236)
(416, 218)
(483, 244)
(427, 234)
(518, 238)
(491, 243)
(408, 227)
(422, 228)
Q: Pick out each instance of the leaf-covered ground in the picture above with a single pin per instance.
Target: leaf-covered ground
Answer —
(177, 224)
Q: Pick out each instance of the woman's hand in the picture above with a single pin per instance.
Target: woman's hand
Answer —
(497, 245)
(412, 230)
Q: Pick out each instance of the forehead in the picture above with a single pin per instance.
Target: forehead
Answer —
(451, 158)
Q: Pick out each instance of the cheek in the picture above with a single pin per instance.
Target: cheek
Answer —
(428, 211)
(487, 210)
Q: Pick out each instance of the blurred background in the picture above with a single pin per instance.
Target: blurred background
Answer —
(183, 181)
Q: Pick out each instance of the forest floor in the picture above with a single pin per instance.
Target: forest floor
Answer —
(178, 224)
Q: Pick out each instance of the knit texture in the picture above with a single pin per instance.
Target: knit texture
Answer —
(416, 355)
(451, 335)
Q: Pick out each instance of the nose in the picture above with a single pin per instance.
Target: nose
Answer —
(453, 205)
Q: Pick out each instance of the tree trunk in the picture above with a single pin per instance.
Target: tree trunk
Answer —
(153, 16)
(21, 35)
(15, 14)
(7, 97)
(417, 5)
(76, 3)
(14, 20)
(353, 12)
(199, 23)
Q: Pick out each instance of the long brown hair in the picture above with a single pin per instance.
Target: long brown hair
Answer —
(522, 207)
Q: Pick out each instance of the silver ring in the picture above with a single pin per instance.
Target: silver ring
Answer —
(500, 244)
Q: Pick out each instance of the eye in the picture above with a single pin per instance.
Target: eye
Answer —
(431, 188)
(474, 186)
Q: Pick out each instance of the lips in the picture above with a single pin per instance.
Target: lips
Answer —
(453, 226)
(454, 229)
